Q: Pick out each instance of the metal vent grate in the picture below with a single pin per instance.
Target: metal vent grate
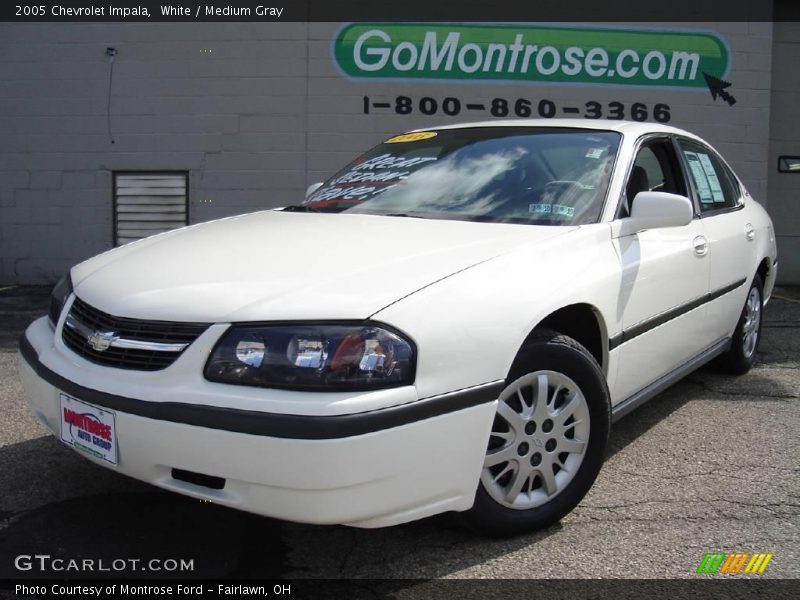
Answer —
(148, 203)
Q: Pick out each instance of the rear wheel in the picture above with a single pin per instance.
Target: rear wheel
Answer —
(740, 357)
(547, 441)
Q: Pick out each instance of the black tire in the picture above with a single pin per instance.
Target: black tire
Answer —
(551, 351)
(736, 360)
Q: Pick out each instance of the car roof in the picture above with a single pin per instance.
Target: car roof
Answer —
(632, 128)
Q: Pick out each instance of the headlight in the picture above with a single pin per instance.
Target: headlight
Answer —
(58, 297)
(320, 357)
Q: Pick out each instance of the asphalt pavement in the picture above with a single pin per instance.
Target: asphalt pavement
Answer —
(712, 464)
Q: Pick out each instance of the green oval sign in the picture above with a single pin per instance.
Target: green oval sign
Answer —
(584, 55)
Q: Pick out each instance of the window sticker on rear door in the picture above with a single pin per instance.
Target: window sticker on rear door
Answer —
(699, 176)
(713, 180)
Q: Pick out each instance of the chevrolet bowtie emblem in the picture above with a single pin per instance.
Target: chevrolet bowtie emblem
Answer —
(102, 340)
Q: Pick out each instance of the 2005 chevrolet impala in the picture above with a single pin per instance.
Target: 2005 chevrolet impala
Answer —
(449, 323)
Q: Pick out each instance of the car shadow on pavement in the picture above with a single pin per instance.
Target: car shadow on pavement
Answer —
(93, 513)
(640, 421)
(83, 511)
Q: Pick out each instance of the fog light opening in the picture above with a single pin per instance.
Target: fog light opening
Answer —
(208, 481)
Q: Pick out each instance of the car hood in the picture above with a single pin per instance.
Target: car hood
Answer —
(283, 265)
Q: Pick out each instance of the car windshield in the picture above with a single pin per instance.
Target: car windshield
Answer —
(542, 176)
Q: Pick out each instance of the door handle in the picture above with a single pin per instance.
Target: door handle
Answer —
(700, 245)
(749, 232)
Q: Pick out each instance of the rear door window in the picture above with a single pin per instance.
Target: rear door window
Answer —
(714, 185)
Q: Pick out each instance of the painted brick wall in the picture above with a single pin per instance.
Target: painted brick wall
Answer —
(784, 188)
(254, 112)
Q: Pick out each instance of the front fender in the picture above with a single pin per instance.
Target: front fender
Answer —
(469, 327)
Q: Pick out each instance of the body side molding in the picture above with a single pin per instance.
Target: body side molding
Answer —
(644, 326)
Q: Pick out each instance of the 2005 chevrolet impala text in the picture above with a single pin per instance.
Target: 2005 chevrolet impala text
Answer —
(450, 323)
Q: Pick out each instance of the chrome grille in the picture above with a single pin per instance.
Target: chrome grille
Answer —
(126, 343)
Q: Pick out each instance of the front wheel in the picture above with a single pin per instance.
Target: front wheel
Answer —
(742, 353)
(547, 440)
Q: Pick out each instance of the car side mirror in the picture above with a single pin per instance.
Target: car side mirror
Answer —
(313, 188)
(654, 210)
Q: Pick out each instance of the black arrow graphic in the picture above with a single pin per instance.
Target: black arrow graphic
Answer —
(717, 89)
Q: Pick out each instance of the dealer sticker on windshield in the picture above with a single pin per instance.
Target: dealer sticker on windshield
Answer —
(411, 137)
(560, 210)
(88, 429)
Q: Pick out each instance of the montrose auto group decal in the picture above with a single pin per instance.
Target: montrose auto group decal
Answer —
(554, 55)
(88, 428)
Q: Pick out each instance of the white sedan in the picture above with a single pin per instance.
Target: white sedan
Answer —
(449, 323)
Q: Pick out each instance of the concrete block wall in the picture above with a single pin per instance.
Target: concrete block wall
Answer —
(254, 112)
(784, 188)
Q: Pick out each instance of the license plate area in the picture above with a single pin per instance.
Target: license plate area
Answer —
(88, 429)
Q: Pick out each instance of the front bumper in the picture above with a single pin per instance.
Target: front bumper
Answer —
(369, 469)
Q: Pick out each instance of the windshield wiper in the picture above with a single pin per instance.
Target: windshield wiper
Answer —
(299, 208)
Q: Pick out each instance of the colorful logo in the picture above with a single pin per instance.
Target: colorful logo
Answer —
(532, 53)
(731, 563)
